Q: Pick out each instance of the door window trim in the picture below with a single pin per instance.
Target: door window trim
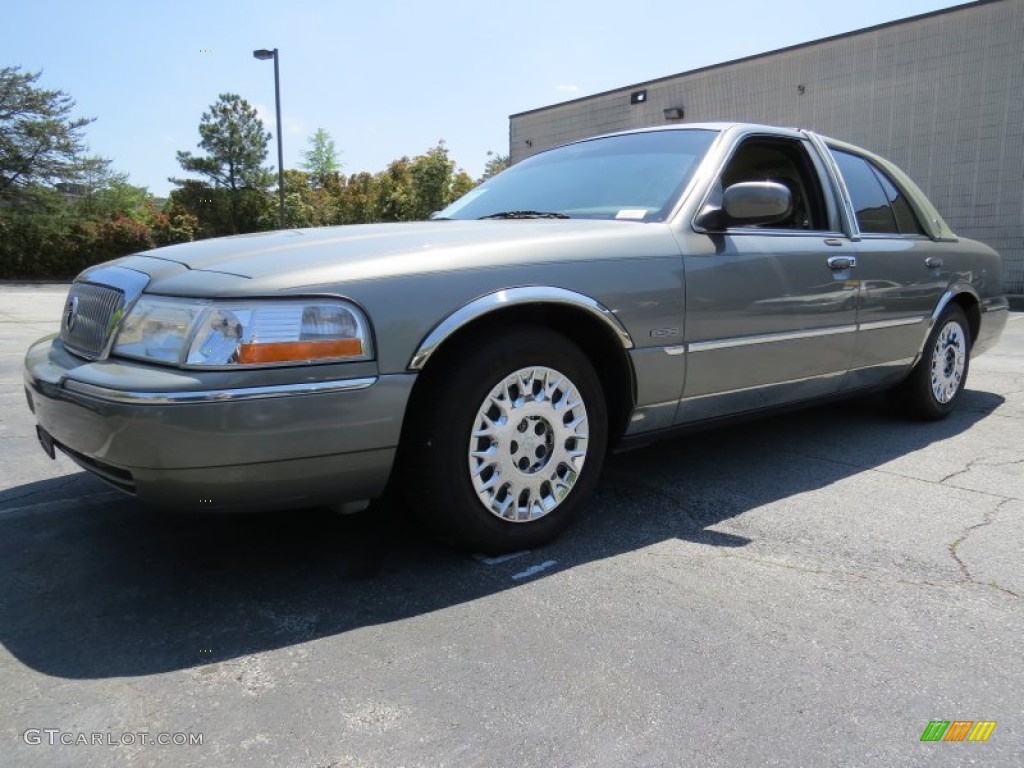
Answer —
(850, 210)
(805, 141)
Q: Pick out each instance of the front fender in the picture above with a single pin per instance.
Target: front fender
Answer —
(509, 297)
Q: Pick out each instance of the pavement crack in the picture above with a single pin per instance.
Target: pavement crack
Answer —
(954, 547)
(890, 473)
(979, 462)
(841, 572)
(966, 469)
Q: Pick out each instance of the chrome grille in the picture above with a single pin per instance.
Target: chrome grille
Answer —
(87, 318)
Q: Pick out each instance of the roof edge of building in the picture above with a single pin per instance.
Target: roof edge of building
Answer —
(754, 57)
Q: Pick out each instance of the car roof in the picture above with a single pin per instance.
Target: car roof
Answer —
(719, 127)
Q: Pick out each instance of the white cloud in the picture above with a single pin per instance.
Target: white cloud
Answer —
(567, 88)
(290, 126)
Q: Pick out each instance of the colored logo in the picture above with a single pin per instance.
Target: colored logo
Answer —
(958, 730)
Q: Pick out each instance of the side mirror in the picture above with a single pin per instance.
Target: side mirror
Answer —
(749, 203)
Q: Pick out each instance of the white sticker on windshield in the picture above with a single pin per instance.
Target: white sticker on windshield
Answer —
(631, 213)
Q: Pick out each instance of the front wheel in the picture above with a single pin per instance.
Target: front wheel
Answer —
(935, 385)
(507, 440)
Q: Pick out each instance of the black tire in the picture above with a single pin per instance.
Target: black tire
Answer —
(435, 455)
(948, 346)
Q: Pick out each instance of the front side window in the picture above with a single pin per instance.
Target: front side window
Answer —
(635, 177)
(881, 207)
(786, 162)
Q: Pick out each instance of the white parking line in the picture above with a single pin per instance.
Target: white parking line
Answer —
(534, 569)
(500, 558)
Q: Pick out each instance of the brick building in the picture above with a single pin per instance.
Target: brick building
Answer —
(941, 95)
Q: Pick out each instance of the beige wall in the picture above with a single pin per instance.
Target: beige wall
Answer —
(941, 96)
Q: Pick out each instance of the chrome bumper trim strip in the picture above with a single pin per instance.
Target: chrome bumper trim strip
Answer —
(215, 395)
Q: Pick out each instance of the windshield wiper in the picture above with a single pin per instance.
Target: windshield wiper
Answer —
(526, 215)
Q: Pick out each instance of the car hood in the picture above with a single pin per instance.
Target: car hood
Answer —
(368, 251)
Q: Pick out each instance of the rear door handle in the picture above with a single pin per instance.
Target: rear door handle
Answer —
(933, 262)
(841, 262)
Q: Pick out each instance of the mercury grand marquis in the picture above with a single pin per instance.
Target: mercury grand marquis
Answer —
(604, 293)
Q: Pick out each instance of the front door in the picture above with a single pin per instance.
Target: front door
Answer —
(771, 310)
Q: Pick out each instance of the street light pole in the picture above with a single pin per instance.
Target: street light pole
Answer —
(263, 54)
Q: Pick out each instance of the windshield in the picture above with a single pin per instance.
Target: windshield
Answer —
(636, 177)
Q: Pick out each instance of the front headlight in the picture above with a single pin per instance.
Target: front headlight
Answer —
(217, 334)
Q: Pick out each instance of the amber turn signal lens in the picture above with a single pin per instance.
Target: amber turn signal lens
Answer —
(291, 351)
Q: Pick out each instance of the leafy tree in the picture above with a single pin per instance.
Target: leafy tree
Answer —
(216, 209)
(358, 199)
(321, 158)
(394, 191)
(173, 226)
(495, 164)
(233, 137)
(33, 239)
(107, 194)
(461, 184)
(97, 241)
(208, 205)
(305, 206)
(432, 175)
(40, 142)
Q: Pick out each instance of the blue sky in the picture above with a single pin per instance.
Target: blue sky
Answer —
(385, 78)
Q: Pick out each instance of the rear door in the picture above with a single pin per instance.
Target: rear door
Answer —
(899, 271)
(770, 310)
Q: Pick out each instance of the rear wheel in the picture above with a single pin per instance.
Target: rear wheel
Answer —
(507, 440)
(934, 386)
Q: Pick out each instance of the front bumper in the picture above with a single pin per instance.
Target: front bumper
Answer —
(185, 446)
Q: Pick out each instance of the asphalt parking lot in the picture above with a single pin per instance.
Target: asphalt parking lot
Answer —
(807, 590)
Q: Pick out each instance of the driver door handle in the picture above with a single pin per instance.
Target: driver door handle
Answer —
(841, 262)
(933, 262)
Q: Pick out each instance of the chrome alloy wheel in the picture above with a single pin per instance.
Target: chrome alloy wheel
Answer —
(949, 358)
(528, 444)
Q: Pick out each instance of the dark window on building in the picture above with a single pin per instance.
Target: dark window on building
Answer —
(870, 203)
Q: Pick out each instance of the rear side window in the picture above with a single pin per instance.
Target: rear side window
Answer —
(880, 206)
(905, 218)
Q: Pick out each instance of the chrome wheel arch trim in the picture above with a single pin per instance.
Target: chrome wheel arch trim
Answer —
(951, 293)
(509, 297)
